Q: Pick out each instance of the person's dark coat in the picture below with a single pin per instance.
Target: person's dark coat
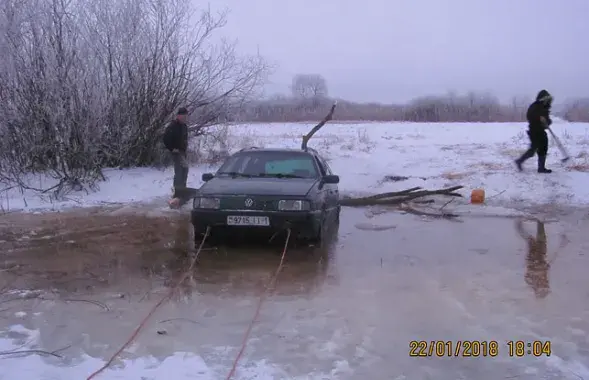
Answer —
(538, 114)
(176, 136)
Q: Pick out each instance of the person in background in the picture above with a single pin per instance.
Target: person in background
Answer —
(176, 141)
(538, 116)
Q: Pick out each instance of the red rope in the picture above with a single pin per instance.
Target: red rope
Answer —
(259, 308)
(152, 311)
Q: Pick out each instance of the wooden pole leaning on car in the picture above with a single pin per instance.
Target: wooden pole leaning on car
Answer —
(327, 118)
(401, 199)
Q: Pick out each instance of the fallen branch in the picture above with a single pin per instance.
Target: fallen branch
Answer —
(40, 297)
(38, 352)
(411, 210)
(391, 194)
(99, 304)
(29, 352)
(327, 118)
(179, 319)
(399, 197)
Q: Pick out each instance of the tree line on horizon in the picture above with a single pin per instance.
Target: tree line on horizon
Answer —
(309, 99)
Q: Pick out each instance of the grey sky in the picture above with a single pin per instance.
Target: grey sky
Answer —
(393, 50)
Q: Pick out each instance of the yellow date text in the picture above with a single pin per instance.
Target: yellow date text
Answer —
(453, 348)
(519, 348)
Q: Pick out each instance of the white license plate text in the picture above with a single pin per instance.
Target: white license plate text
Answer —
(237, 220)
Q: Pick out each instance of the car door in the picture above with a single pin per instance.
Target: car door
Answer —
(332, 190)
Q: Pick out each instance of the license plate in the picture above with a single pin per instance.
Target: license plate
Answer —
(248, 221)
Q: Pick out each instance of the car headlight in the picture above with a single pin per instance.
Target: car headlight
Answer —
(293, 205)
(208, 203)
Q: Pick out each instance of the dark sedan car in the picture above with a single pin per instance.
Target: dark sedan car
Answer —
(269, 190)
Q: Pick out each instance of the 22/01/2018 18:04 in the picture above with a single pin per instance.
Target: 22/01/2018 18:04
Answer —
(478, 348)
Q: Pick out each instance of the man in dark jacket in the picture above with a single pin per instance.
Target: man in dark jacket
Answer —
(176, 141)
(538, 116)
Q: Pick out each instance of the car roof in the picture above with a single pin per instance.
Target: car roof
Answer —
(283, 150)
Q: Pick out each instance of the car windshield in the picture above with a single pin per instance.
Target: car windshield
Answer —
(270, 164)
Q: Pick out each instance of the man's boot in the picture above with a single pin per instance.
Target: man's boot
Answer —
(519, 163)
(528, 154)
(542, 165)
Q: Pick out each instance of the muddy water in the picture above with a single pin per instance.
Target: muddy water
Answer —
(347, 311)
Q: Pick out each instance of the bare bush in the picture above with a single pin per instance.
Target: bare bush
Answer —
(218, 143)
(309, 86)
(470, 108)
(577, 110)
(287, 109)
(450, 108)
(86, 84)
(309, 91)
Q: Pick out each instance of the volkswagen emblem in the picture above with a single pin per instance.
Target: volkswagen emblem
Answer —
(249, 202)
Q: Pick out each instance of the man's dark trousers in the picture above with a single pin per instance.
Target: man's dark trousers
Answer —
(180, 170)
(538, 144)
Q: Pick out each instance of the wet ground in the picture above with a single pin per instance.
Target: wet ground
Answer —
(348, 311)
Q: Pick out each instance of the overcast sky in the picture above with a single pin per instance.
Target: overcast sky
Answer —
(393, 50)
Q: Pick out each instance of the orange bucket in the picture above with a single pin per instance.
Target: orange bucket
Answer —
(477, 196)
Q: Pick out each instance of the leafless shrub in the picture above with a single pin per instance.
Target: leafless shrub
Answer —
(449, 108)
(363, 136)
(470, 108)
(217, 143)
(577, 110)
(86, 84)
(309, 90)
(287, 109)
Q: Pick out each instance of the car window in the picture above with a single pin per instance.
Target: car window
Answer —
(325, 165)
(321, 166)
(236, 164)
(271, 164)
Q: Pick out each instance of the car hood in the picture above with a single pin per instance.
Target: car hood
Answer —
(258, 186)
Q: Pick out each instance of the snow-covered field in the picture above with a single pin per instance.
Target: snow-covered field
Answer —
(432, 155)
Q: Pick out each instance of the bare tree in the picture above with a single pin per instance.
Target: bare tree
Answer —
(86, 84)
(451, 107)
(577, 110)
(309, 88)
(46, 121)
(472, 107)
(518, 107)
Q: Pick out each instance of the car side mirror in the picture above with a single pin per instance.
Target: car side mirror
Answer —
(331, 179)
(207, 177)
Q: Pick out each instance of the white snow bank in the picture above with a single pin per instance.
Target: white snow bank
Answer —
(476, 155)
